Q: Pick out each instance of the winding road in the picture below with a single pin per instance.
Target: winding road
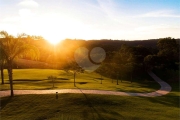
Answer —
(165, 89)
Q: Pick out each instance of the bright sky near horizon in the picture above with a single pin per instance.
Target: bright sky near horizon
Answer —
(92, 19)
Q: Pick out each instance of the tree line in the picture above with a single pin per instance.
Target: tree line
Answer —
(133, 61)
(124, 59)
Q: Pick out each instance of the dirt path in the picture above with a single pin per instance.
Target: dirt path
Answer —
(165, 89)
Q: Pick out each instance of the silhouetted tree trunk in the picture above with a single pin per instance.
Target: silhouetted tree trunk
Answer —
(10, 74)
(74, 79)
(2, 74)
(131, 77)
(117, 78)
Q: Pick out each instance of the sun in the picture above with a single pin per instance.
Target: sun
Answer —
(54, 39)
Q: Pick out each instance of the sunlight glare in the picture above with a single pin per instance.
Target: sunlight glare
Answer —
(54, 39)
(63, 28)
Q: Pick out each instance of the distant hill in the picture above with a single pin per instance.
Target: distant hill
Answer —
(111, 45)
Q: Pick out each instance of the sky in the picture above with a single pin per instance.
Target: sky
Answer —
(92, 19)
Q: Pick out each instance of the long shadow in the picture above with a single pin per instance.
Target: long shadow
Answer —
(105, 116)
(92, 108)
(26, 80)
(23, 81)
(4, 102)
(62, 79)
(170, 101)
(82, 83)
(33, 80)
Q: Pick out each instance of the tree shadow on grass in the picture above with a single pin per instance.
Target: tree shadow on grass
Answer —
(82, 83)
(171, 101)
(4, 102)
(102, 113)
(23, 81)
(26, 80)
(91, 106)
(58, 81)
(62, 79)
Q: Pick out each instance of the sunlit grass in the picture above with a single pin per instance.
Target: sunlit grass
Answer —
(38, 79)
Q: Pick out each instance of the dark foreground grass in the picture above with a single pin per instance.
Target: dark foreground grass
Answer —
(91, 107)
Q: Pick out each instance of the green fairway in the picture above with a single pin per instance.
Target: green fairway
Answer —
(37, 79)
(91, 107)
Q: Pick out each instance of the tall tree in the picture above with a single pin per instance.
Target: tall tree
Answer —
(15, 47)
(124, 59)
(150, 61)
(2, 63)
(168, 52)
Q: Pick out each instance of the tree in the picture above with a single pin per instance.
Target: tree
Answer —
(168, 52)
(2, 63)
(12, 48)
(150, 61)
(74, 68)
(124, 60)
(130, 69)
(111, 71)
(102, 69)
(51, 77)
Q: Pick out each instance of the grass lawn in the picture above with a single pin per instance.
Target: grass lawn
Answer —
(37, 79)
(91, 107)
